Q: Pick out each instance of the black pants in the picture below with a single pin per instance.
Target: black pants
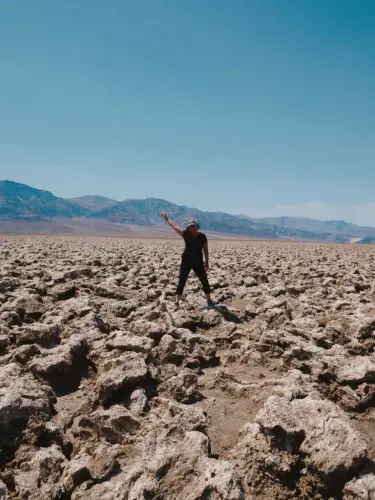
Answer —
(198, 268)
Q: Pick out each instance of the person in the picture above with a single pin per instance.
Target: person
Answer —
(192, 258)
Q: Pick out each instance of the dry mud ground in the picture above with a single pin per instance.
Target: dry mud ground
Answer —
(107, 393)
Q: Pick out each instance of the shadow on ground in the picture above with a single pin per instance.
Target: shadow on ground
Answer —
(227, 314)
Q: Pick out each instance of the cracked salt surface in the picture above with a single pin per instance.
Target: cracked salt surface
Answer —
(106, 392)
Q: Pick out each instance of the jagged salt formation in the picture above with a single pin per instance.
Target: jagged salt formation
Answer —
(104, 389)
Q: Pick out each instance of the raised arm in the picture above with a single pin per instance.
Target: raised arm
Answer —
(172, 224)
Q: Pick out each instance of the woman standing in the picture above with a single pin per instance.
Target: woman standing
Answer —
(192, 258)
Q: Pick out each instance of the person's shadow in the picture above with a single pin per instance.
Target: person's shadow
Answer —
(227, 314)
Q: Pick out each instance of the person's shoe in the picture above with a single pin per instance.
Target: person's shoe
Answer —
(211, 304)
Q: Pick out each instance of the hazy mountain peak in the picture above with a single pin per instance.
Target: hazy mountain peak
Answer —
(20, 201)
(94, 202)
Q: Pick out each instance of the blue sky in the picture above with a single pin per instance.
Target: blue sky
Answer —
(263, 107)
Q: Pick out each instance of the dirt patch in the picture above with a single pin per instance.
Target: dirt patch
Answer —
(227, 410)
(365, 424)
(72, 403)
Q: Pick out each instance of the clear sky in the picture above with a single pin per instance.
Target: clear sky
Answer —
(262, 107)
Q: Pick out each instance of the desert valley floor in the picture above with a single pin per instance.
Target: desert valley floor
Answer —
(107, 393)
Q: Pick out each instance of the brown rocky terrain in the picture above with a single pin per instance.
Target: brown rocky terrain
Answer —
(107, 393)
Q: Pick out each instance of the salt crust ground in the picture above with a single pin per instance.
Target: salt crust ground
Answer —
(107, 393)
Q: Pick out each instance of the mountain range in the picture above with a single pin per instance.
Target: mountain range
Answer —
(24, 209)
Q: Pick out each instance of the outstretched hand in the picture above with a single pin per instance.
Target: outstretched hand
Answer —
(164, 215)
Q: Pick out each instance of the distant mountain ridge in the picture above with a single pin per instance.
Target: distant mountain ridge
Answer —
(330, 226)
(22, 204)
(19, 201)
